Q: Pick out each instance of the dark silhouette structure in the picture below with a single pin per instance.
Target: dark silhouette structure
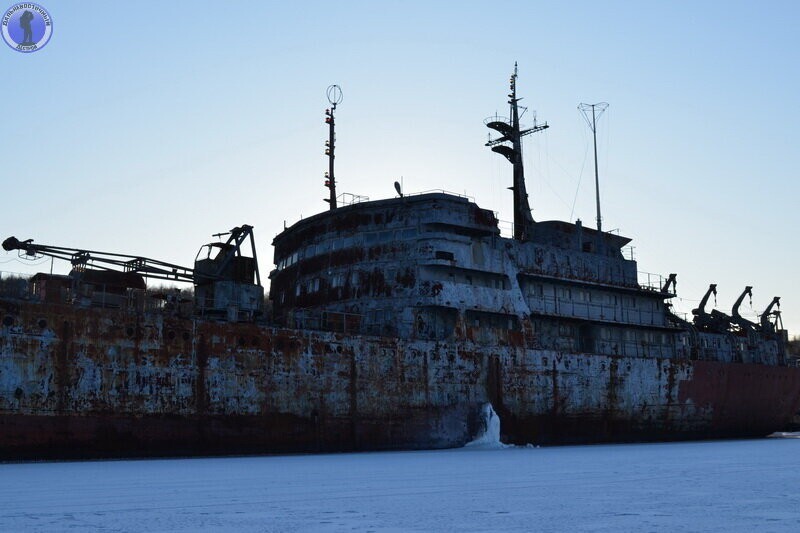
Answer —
(25, 23)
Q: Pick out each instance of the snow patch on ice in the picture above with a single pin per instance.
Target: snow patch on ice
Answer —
(785, 435)
(490, 436)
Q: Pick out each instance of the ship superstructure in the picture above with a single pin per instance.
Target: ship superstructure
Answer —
(435, 266)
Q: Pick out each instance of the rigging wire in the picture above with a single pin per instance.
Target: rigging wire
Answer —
(607, 147)
(27, 263)
(546, 181)
(580, 176)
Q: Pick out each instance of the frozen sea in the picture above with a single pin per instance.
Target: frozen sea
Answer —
(751, 485)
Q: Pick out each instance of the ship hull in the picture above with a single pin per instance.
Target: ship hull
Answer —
(99, 383)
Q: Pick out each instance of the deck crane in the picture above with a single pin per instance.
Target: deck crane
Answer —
(737, 318)
(748, 291)
(672, 281)
(226, 282)
(713, 321)
(767, 326)
(701, 309)
(81, 259)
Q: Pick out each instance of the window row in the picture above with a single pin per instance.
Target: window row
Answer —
(581, 295)
(332, 245)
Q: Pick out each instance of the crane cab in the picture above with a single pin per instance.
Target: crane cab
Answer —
(227, 284)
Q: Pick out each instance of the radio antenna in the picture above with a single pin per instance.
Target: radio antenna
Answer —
(592, 112)
(334, 94)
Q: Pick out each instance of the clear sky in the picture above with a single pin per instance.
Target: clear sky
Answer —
(144, 127)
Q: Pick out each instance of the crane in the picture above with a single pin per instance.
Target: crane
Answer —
(713, 321)
(203, 272)
(81, 259)
(701, 309)
(672, 281)
(766, 324)
(748, 291)
(226, 282)
(738, 319)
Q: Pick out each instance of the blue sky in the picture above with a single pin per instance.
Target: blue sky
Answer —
(145, 127)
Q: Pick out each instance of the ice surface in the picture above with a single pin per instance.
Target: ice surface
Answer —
(703, 486)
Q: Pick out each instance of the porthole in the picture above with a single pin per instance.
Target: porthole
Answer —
(8, 321)
(42, 323)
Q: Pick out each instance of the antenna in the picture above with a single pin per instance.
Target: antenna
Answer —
(334, 94)
(597, 110)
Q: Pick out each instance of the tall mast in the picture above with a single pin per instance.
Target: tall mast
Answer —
(335, 98)
(511, 131)
(597, 110)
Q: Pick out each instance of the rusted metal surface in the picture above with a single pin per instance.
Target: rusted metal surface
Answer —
(91, 382)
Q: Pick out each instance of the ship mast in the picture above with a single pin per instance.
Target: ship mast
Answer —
(597, 110)
(334, 97)
(511, 131)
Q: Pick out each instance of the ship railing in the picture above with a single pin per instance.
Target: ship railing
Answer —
(442, 191)
(339, 322)
(680, 314)
(650, 281)
(506, 227)
(620, 312)
(348, 198)
(628, 252)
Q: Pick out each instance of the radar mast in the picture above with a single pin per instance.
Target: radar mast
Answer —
(511, 131)
(334, 94)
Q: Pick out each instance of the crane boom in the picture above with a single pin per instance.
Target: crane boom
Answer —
(205, 270)
(748, 291)
(82, 259)
(701, 309)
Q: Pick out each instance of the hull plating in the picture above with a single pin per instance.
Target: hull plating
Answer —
(78, 383)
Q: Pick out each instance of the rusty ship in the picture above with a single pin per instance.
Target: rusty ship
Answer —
(389, 324)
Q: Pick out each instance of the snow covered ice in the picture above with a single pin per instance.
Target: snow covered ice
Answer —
(700, 486)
